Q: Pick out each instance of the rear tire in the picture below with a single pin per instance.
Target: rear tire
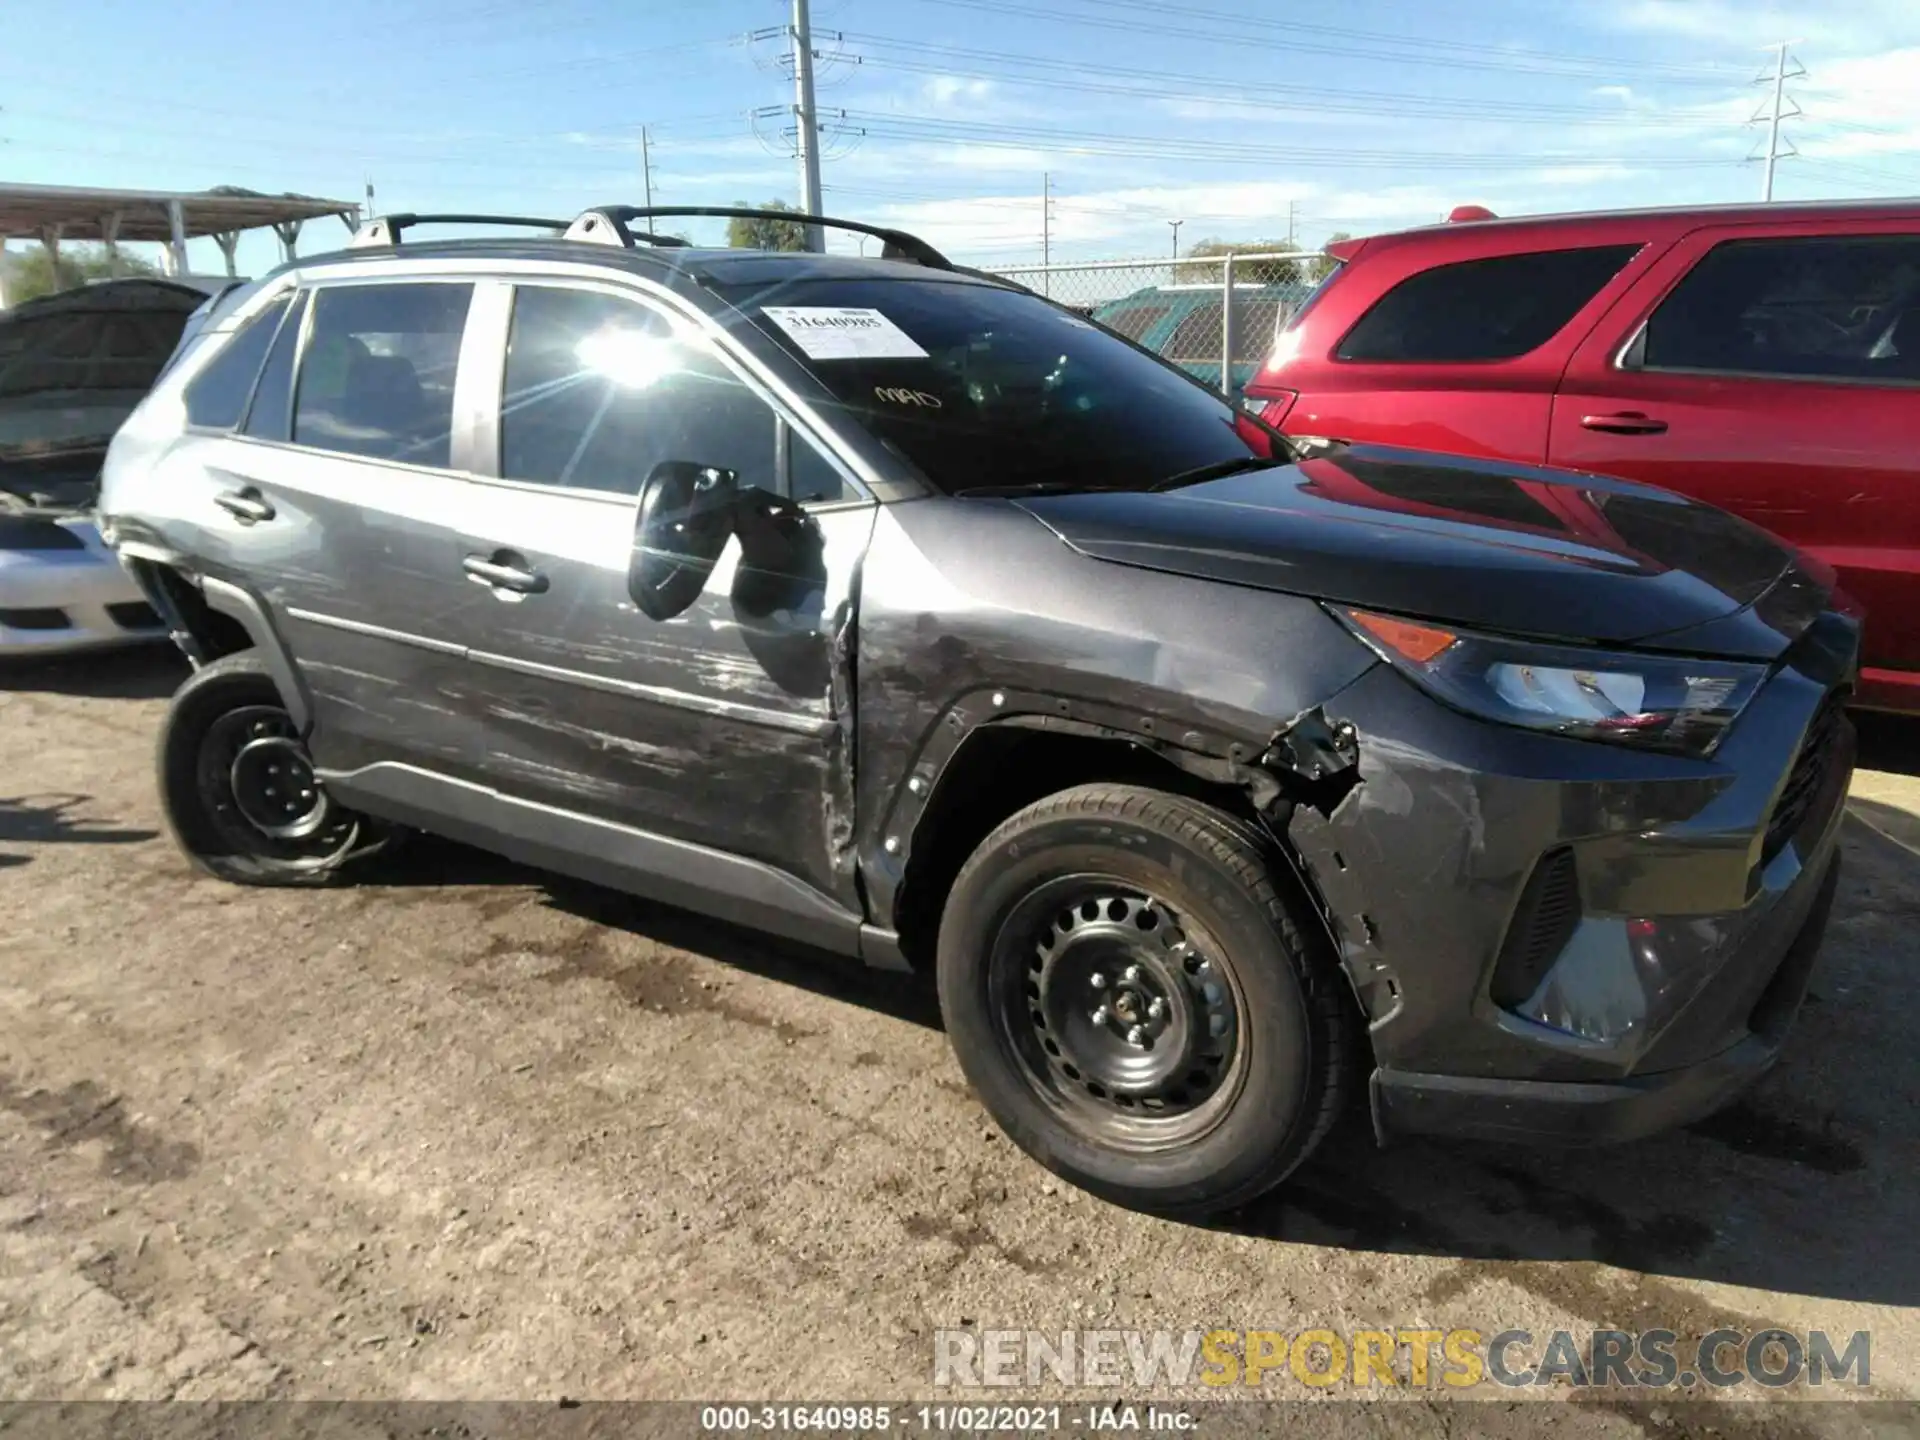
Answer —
(238, 788)
(1139, 1003)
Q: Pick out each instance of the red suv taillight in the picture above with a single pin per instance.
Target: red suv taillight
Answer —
(1279, 402)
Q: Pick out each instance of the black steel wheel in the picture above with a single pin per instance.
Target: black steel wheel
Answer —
(1121, 1011)
(239, 789)
(1137, 998)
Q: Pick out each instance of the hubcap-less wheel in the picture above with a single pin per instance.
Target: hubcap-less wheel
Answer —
(274, 787)
(1123, 1015)
(258, 785)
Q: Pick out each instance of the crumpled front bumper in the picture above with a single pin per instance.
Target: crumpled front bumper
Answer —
(54, 601)
(1479, 1108)
(1689, 898)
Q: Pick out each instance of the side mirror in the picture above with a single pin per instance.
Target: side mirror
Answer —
(684, 518)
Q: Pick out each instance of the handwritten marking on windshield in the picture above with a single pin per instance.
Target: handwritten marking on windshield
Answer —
(895, 395)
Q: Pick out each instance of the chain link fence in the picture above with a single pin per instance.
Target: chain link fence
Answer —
(1215, 316)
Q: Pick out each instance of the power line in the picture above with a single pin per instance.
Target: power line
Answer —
(1153, 85)
(1242, 21)
(1232, 30)
(1105, 143)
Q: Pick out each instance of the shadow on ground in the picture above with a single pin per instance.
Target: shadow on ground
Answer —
(141, 672)
(60, 820)
(430, 861)
(1888, 742)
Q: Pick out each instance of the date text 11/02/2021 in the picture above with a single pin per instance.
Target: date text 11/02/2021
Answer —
(942, 1419)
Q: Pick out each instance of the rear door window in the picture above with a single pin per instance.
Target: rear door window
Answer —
(217, 396)
(376, 378)
(1814, 307)
(1479, 310)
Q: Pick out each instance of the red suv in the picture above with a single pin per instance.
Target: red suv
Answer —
(1765, 358)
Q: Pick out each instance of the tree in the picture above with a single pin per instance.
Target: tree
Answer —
(1258, 272)
(30, 272)
(745, 234)
(1321, 266)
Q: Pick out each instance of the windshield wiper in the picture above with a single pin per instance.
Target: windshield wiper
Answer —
(1219, 470)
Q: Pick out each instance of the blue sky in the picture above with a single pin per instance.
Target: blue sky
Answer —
(943, 115)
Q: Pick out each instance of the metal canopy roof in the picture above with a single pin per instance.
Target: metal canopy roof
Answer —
(84, 213)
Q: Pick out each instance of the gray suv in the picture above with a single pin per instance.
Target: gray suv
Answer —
(889, 607)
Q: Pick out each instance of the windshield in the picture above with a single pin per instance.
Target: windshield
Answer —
(983, 388)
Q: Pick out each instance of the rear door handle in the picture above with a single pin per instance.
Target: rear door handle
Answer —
(246, 505)
(1626, 422)
(504, 570)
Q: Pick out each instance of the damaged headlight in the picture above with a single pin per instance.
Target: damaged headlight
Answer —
(1657, 702)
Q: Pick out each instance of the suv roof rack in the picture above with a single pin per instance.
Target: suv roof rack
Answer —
(611, 225)
(387, 229)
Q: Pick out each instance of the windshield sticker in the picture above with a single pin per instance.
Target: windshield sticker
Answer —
(894, 395)
(841, 332)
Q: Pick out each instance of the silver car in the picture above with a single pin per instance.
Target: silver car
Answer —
(72, 367)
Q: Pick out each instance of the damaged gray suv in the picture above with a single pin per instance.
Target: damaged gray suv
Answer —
(889, 607)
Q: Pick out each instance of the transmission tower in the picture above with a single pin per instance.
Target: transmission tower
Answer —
(1782, 107)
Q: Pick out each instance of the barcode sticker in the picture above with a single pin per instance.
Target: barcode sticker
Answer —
(837, 332)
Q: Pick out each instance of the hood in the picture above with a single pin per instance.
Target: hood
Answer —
(73, 366)
(64, 481)
(1511, 549)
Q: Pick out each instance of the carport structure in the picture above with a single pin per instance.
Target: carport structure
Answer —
(53, 213)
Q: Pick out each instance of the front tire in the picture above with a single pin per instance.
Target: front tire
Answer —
(1138, 1003)
(238, 788)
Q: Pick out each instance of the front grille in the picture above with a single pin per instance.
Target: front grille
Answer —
(1803, 782)
(1543, 923)
(133, 615)
(47, 619)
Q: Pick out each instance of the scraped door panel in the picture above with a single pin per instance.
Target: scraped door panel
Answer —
(727, 725)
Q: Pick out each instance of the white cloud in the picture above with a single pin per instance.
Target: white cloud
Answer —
(957, 92)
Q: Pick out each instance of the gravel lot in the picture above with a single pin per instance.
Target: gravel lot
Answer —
(461, 1131)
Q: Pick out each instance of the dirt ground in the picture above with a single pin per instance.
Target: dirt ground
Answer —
(462, 1131)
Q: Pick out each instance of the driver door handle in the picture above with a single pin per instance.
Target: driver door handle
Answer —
(1625, 422)
(246, 505)
(505, 572)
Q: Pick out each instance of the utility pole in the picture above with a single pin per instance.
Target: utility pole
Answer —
(1176, 224)
(1292, 206)
(646, 166)
(1777, 112)
(807, 125)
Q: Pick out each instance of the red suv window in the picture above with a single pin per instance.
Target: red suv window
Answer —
(1820, 307)
(1494, 309)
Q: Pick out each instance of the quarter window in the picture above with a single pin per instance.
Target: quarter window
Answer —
(272, 407)
(1827, 307)
(377, 375)
(217, 396)
(1494, 309)
(600, 389)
